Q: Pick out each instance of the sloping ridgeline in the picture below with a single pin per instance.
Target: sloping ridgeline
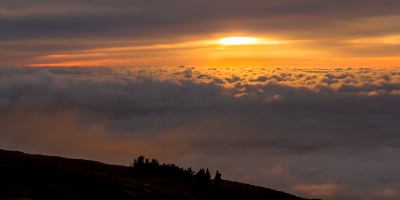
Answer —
(24, 176)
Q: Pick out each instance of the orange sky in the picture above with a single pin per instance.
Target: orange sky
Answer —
(139, 33)
(210, 52)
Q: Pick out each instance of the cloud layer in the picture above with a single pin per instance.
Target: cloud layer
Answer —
(327, 133)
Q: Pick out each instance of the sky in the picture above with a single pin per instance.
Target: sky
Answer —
(298, 96)
(356, 33)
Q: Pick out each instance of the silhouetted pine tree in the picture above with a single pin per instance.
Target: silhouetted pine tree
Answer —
(217, 176)
(199, 174)
(208, 175)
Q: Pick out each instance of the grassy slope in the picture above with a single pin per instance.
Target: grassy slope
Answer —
(48, 177)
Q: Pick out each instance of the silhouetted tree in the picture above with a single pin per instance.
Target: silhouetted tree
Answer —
(139, 161)
(154, 162)
(208, 175)
(217, 176)
(200, 175)
(189, 170)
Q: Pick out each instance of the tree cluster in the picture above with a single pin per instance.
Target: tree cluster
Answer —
(142, 167)
(202, 175)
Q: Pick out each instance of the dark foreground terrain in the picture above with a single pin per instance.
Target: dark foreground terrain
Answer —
(24, 176)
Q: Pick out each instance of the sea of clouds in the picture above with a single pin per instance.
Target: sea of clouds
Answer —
(330, 133)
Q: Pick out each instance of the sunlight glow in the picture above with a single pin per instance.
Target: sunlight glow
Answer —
(391, 39)
(238, 41)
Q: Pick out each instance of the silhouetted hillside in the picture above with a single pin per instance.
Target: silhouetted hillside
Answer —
(48, 177)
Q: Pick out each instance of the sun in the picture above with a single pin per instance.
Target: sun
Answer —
(238, 40)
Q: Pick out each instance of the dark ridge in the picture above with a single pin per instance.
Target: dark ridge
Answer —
(25, 176)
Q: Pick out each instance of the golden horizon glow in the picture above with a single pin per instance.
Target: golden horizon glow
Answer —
(228, 51)
(238, 40)
(391, 39)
